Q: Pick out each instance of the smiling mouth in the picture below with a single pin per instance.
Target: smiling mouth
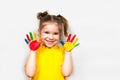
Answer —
(50, 42)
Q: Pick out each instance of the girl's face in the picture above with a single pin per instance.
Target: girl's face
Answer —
(50, 34)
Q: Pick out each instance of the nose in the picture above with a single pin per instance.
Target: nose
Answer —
(51, 36)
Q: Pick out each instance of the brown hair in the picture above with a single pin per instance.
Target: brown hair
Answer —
(60, 20)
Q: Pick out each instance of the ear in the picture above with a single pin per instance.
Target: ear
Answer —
(38, 32)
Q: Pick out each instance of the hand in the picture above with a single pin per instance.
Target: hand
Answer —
(32, 42)
(70, 43)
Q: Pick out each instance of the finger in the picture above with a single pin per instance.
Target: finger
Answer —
(68, 39)
(26, 41)
(76, 44)
(62, 42)
(75, 41)
(35, 36)
(28, 38)
(73, 38)
(31, 36)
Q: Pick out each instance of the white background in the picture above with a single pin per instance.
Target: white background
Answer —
(96, 23)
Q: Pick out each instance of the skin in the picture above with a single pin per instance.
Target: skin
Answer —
(50, 36)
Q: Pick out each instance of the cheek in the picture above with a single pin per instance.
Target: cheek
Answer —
(42, 35)
(57, 37)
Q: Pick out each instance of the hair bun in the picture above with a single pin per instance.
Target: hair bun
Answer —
(59, 15)
(40, 14)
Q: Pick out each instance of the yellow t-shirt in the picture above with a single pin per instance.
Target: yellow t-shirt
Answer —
(49, 62)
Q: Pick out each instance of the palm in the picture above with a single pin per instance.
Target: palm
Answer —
(70, 43)
(32, 42)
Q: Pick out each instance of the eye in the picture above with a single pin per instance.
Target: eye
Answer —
(56, 33)
(46, 32)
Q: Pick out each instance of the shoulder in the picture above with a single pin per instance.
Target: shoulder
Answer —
(54, 48)
(40, 49)
(59, 47)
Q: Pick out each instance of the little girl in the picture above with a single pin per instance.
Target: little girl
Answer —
(47, 60)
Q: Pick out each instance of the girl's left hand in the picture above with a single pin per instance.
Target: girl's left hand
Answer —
(70, 43)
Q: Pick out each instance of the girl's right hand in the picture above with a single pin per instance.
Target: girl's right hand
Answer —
(32, 41)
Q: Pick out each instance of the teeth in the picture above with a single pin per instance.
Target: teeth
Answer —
(49, 41)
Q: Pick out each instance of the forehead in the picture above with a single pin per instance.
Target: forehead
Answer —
(51, 27)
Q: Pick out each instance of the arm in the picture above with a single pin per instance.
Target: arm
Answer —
(30, 65)
(68, 46)
(67, 64)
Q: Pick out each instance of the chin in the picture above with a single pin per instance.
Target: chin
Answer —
(49, 46)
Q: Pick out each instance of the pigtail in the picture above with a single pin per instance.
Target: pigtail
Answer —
(41, 15)
(65, 24)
